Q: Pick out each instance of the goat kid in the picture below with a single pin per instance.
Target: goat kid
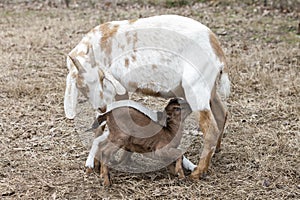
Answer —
(133, 131)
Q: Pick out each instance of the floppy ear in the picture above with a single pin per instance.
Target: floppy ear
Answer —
(76, 63)
(71, 95)
(120, 89)
(71, 92)
(161, 118)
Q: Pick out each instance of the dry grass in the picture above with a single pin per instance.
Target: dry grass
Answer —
(42, 156)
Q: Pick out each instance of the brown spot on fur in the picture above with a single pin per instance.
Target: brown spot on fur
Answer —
(131, 38)
(154, 66)
(217, 49)
(204, 121)
(74, 75)
(128, 37)
(132, 21)
(81, 53)
(108, 32)
(121, 46)
(135, 39)
(91, 56)
(101, 77)
(132, 84)
(133, 57)
(84, 89)
(147, 91)
(126, 62)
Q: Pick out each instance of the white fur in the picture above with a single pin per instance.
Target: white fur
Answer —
(161, 53)
(71, 94)
(224, 88)
(187, 164)
(90, 160)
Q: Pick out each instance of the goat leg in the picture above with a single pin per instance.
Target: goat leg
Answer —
(169, 154)
(210, 141)
(105, 152)
(171, 169)
(106, 177)
(92, 161)
(178, 168)
(220, 115)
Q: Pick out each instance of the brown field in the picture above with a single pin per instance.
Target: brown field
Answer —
(43, 157)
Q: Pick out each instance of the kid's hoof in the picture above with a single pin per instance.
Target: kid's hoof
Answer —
(89, 170)
(106, 183)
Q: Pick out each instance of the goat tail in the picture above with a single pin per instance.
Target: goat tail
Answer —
(224, 85)
(99, 120)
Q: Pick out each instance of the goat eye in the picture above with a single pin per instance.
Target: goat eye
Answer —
(177, 109)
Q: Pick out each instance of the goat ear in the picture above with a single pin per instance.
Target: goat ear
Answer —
(120, 89)
(77, 64)
(161, 118)
(96, 124)
(71, 94)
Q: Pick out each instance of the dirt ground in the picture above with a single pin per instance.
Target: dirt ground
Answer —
(43, 157)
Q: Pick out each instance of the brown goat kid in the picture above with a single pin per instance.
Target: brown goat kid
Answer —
(133, 131)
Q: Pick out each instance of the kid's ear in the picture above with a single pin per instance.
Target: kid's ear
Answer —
(162, 118)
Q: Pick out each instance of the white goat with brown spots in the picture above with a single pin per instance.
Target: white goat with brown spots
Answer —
(165, 56)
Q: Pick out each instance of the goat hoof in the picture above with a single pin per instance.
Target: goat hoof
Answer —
(218, 150)
(203, 175)
(101, 176)
(89, 170)
(195, 175)
(181, 177)
(106, 183)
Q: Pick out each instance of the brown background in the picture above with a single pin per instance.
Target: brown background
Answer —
(42, 156)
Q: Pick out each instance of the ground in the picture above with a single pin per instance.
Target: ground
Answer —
(43, 157)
